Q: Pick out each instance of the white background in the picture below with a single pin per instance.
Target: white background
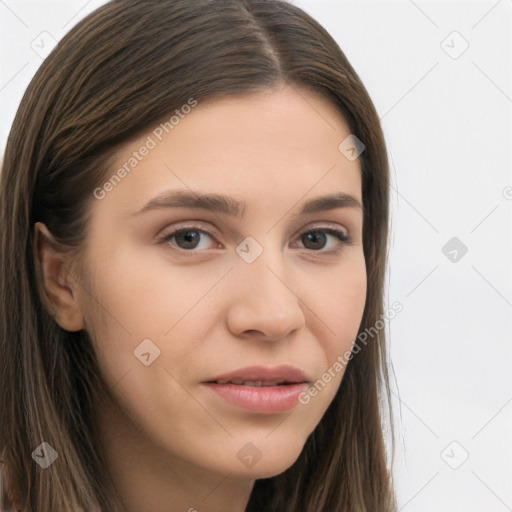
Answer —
(447, 123)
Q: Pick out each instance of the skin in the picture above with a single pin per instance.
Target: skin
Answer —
(170, 444)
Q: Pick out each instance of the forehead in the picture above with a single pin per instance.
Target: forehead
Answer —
(259, 148)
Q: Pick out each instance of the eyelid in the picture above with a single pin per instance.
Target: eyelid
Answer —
(319, 226)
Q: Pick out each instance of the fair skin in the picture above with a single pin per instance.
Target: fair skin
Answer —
(170, 443)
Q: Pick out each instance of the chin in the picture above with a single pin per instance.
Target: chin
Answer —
(265, 458)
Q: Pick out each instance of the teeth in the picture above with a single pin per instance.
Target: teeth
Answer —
(253, 383)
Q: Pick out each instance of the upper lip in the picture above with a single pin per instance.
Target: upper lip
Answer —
(284, 373)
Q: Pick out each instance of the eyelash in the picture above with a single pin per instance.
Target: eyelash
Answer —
(333, 232)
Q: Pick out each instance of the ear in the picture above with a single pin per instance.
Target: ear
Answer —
(59, 290)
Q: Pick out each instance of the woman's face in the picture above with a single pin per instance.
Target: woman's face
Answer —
(269, 288)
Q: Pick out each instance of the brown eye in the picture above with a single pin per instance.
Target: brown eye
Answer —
(187, 239)
(318, 238)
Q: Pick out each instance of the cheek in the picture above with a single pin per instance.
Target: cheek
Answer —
(340, 305)
(144, 296)
(134, 300)
(337, 307)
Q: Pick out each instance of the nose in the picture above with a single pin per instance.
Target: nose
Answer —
(263, 305)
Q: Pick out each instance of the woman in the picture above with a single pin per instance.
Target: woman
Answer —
(194, 225)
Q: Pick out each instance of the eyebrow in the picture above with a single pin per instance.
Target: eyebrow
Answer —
(227, 205)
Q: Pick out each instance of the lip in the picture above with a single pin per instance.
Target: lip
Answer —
(285, 372)
(262, 399)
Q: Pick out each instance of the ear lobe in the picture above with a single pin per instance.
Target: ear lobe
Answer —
(57, 290)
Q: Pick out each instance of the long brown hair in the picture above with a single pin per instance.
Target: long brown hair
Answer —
(114, 74)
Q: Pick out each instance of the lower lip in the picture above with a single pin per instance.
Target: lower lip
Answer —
(262, 399)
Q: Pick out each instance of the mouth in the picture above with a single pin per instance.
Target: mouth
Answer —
(252, 383)
(262, 376)
(260, 389)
